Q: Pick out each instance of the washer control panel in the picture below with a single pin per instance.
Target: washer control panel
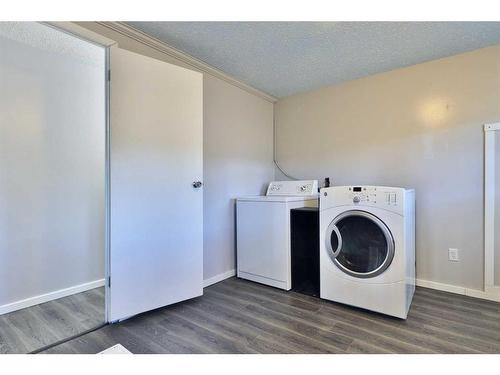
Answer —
(293, 188)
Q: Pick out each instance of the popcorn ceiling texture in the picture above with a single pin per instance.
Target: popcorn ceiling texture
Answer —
(50, 40)
(286, 58)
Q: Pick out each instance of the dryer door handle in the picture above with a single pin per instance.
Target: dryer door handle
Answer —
(339, 241)
(333, 244)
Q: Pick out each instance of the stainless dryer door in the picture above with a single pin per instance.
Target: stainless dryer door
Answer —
(359, 244)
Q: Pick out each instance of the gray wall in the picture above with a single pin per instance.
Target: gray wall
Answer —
(237, 160)
(52, 129)
(420, 127)
(238, 147)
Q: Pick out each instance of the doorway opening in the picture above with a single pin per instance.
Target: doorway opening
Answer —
(52, 186)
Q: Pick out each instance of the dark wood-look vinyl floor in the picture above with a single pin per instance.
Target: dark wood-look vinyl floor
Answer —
(35, 327)
(238, 316)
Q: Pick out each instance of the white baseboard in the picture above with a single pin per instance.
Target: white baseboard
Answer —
(36, 300)
(219, 277)
(491, 294)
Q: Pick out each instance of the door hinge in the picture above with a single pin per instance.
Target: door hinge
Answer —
(109, 75)
(109, 282)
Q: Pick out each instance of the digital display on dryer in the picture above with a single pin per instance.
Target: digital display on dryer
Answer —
(356, 188)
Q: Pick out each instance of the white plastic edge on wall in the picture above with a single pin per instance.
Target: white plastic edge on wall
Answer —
(163, 47)
(489, 206)
(218, 278)
(488, 127)
(42, 298)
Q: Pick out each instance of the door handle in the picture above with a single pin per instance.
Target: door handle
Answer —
(197, 184)
(339, 241)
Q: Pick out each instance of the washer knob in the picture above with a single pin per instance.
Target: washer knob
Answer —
(356, 199)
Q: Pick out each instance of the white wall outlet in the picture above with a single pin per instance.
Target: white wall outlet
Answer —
(453, 255)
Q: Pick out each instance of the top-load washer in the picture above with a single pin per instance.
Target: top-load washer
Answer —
(367, 247)
(263, 231)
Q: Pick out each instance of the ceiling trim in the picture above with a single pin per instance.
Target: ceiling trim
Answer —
(81, 32)
(158, 45)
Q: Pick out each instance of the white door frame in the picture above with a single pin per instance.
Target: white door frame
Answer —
(107, 199)
(489, 208)
(106, 43)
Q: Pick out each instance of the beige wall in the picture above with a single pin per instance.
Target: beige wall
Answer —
(238, 149)
(419, 127)
(237, 160)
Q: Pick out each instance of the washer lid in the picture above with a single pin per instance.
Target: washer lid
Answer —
(276, 198)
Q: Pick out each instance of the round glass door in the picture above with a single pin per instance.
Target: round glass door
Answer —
(360, 244)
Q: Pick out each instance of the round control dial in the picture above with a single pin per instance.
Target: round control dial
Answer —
(356, 199)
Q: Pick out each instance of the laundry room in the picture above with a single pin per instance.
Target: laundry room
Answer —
(242, 185)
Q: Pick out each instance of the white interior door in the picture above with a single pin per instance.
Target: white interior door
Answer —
(156, 215)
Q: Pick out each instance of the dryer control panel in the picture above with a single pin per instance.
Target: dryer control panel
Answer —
(391, 198)
(374, 195)
(293, 188)
(362, 194)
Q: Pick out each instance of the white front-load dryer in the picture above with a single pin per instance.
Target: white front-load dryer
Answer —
(367, 247)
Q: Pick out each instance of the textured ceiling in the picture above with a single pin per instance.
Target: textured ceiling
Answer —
(54, 41)
(285, 58)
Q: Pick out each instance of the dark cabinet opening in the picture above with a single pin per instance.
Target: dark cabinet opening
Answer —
(304, 229)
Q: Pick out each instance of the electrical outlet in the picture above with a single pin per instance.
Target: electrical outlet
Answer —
(453, 255)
